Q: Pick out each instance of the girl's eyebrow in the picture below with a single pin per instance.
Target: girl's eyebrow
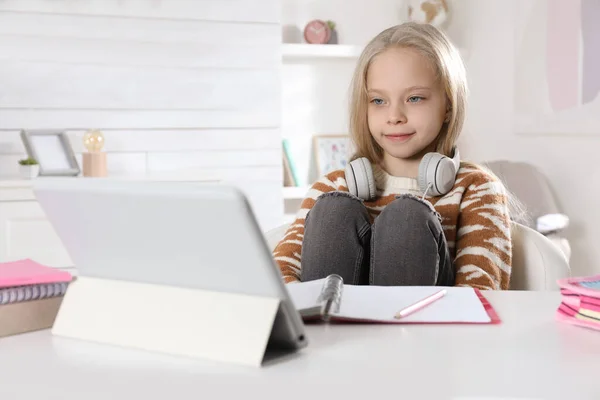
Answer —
(417, 88)
(408, 89)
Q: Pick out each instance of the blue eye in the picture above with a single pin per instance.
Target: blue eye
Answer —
(415, 99)
(377, 102)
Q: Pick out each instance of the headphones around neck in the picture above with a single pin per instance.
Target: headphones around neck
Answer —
(437, 174)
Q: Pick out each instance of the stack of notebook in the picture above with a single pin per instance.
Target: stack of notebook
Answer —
(580, 303)
(30, 296)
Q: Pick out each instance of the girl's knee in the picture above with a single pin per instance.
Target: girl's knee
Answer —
(414, 205)
(411, 212)
(334, 202)
(336, 209)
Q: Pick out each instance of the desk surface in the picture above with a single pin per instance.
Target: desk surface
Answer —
(528, 356)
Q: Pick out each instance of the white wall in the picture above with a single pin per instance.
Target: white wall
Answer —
(172, 84)
(193, 84)
(485, 30)
(567, 160)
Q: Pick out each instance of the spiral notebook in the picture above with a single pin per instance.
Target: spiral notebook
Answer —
(316, 301)
(26, 280)
(30, 296)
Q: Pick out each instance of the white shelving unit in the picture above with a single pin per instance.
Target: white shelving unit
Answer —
(311, 69)
(301, 50)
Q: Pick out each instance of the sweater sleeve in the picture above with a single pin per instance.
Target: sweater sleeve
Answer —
(288, 250)
(483, 242)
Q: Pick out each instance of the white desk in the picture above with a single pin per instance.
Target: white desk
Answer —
(528, 356)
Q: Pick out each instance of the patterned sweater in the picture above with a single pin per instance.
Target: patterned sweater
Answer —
(474, 215)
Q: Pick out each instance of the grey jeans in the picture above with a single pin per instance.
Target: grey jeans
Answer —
(404, 246)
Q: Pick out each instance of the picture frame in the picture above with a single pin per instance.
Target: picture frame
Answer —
(52, 150)
(559, 93)
(332, 152)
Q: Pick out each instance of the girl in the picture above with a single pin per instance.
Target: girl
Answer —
(388, 219)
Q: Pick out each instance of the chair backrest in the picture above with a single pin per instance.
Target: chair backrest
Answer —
(537, 263)
(529, 186)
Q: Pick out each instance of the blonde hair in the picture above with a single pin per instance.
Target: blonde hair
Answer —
(448, 66)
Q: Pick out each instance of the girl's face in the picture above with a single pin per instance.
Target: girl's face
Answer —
(407, 104)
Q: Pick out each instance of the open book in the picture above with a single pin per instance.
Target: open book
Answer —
(379, 304)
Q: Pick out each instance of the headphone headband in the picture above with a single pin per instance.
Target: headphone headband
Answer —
(456, 158)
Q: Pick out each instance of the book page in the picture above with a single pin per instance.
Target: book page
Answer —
(304, 295)
(381, 303)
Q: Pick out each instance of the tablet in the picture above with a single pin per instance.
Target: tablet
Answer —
(192, 235)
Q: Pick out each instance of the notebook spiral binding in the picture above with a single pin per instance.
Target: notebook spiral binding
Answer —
(18, 294)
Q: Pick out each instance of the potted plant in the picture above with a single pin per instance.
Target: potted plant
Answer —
(29, 168)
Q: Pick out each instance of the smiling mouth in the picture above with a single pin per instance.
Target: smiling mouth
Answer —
(398, 134)
(398, 137)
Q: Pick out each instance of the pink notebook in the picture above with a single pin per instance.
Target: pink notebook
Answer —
(29, 272)
(580, 304)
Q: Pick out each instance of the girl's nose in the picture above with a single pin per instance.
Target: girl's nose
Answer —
(396, 116)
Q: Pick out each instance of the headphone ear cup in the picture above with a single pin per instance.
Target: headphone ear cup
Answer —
(359, 177)
(427, 173)
(438, 171)
(445, 175)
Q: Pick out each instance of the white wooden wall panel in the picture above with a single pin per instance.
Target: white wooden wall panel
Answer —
(143, 30)
(157, 140)
(119, 119)
(201, 159)
(64, 51)
(60, 86)
(172, 84)
(208, 139)
(252, 174)
(212, 10)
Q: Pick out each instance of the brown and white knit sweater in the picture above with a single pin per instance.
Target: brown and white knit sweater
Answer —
(474, 218)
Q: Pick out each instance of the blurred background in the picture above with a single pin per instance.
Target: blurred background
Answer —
(233, 90)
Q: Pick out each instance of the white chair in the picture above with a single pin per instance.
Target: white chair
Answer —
(534, 192)
(537, 263)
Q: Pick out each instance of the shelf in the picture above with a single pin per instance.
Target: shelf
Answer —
(294, 192)
(293, 50)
